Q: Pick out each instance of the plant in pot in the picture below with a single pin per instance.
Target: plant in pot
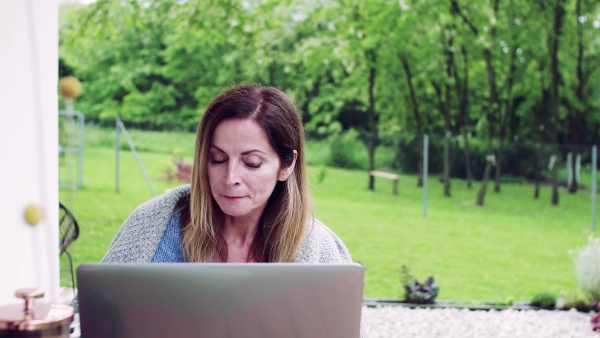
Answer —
(415, 291)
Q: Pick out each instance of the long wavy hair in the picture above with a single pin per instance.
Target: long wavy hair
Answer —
(286, 217)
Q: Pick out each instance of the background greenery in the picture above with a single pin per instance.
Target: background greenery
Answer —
(482, 78)
(508, 250)
(485, 71)
(166, 59)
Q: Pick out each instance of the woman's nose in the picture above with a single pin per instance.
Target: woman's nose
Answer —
(232, 176)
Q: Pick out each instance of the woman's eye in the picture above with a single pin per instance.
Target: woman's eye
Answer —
(253, 165)
(217, 160)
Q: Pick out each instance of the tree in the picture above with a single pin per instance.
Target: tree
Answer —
(480, 72)
(555, 78)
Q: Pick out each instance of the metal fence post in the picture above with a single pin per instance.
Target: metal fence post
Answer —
(75, 123)
(425, 172)
(594, 178)
(81, 140)
(121, 126)
(118, 146)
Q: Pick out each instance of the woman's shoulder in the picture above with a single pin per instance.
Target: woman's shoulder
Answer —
(322, 245)
(157, 209)
(138, 237)
(161, 204)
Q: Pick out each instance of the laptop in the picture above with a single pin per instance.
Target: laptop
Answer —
(219, 300)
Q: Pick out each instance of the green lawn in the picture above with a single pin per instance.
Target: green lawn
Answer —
(511, 248)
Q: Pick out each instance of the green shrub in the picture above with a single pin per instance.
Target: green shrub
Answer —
(587, 268)
(574, 300)
(346, 150)
(544, 299)
(406, 278)
(321, 174)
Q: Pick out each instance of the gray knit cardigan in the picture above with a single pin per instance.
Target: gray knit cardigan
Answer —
(138, 238)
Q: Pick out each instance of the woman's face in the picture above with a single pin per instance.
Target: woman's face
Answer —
(243, 168)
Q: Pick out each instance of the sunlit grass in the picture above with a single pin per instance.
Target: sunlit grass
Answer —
(511, 248)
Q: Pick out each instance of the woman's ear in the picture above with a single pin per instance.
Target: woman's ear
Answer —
(284, 173)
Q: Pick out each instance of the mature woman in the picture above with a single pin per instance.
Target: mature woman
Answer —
(248, 200)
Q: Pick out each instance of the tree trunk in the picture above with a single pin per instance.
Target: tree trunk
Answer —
(574, 186)
(448, 120)
(446, 173)
(506, 114)
(498, 177)
(492, 112)
(371, 57)
(543, 120)
(536, 192)
(467, 159)
(486, 174)
(463, 106)
(454, 147)
(576, 113)
(554, 175)
(417, 115)
(443, 106)
(462, 97)
(555, 76)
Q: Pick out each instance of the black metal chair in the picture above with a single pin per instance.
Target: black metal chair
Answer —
(68, 232)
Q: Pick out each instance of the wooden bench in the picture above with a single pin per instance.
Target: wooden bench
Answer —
(389, 176)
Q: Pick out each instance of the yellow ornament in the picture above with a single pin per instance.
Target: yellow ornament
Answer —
(33, 215)
(69, 87)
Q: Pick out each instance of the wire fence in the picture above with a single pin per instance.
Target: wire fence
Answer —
(70, 149)
(451, 158)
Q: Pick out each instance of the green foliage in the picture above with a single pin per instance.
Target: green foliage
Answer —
(170, 166)
(321, 174)
(406, 278)
(347, 151)
(169, 170)
(544, 299)
(574, 300)
(587, 268)
(507, 301)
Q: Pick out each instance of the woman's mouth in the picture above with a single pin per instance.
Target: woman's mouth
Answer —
(233, 198)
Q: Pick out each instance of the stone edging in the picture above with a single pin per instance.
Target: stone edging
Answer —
(446, 304)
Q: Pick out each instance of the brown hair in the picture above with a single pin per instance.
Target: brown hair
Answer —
(285, 219)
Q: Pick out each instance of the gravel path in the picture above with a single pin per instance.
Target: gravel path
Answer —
(399, 321)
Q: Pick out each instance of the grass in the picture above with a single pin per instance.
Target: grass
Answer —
(509, 249)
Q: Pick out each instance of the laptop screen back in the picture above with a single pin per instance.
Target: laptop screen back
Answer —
(220, 300)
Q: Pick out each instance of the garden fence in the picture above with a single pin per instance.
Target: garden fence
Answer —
(456, 160)
(70, 149)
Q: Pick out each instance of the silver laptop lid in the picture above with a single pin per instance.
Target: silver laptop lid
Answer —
(220, 300)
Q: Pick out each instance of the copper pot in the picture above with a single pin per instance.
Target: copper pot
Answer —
(35, 319)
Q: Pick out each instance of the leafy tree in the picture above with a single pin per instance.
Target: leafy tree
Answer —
(480, 72)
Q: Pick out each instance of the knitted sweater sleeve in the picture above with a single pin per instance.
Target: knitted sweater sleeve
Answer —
(138, 238)
(321, 245)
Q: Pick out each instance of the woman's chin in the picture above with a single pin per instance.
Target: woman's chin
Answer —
(235, 211)
(240, 211)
